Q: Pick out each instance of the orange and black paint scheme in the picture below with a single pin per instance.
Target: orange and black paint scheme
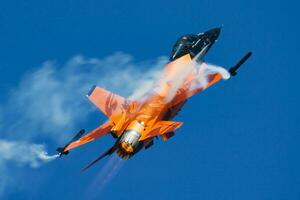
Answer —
(134, 124)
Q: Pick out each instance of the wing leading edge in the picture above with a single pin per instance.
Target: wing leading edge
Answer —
(102, 130)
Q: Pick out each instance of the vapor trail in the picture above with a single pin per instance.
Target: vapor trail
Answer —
(57, 85)
(49, 104)
(178, 77)
(24, 153)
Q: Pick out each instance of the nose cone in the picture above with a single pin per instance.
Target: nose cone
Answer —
(213, 34)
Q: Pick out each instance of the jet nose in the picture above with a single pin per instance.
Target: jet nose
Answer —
(214, 33)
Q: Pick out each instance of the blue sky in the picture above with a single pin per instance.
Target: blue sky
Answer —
(240, 138)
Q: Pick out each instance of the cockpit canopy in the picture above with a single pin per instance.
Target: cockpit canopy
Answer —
(183, 46)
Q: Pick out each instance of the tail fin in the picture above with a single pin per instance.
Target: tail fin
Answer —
(110, 104)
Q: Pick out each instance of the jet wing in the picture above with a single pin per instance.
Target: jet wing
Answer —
(200, 79)
(203, 77)
(98, 132)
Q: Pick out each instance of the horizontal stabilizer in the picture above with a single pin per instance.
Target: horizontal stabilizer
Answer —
(160, 128)
(107, 153)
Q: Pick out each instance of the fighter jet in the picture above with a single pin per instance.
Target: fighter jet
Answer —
(135, 123)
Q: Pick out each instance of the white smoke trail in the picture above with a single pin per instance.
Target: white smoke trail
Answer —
(49, 103)
(23, 153)
(173, 80)
(203, 71)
